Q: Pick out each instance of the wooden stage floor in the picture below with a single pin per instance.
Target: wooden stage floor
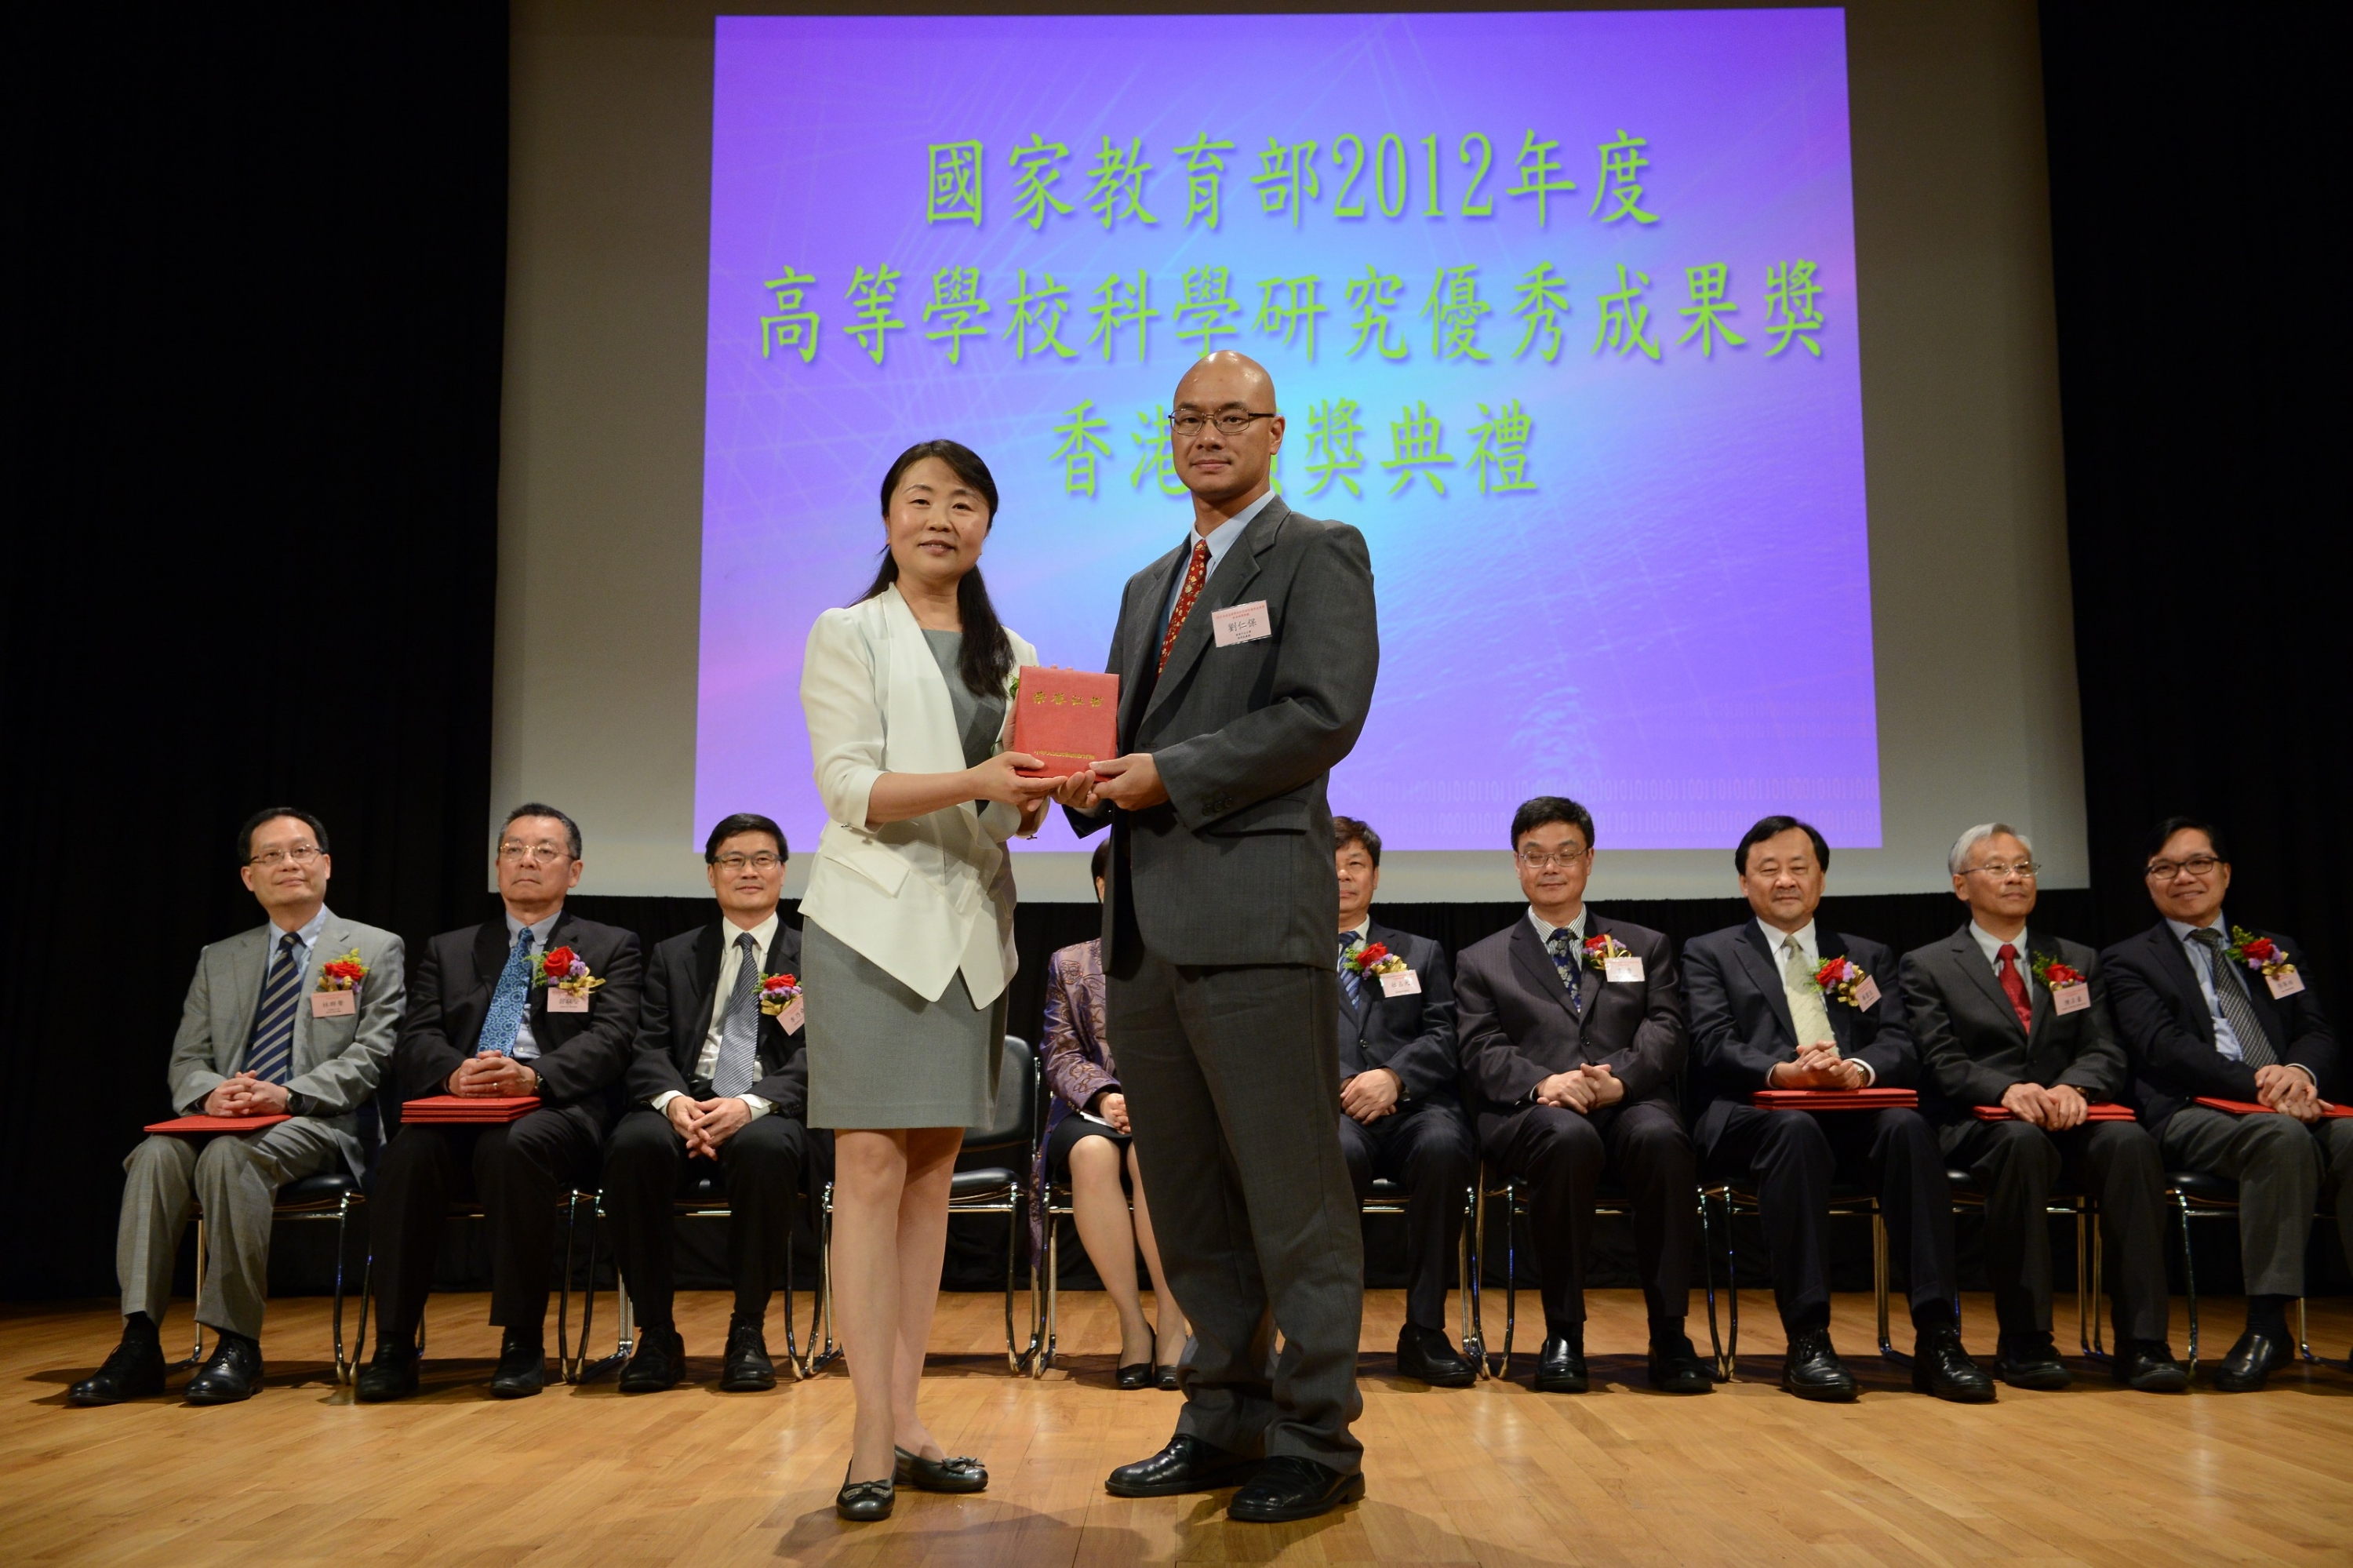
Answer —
(1496, 1475)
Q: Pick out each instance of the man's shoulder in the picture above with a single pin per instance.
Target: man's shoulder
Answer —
(1491, 952)
(1626, 931)
(1719, 947)
(367, 937)
(575, 930)
(2138, 951)
(1417, 950)
(1929, 954)
(681, 947)
(1296, 531)
(1868, 953)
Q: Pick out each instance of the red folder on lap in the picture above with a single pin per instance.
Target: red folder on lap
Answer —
(193, 1126)
(469, 1110)
(2234, 1107)
(2105, 1110)
(1836, 1100)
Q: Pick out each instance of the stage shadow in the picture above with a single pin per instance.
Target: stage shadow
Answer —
(948, 1529)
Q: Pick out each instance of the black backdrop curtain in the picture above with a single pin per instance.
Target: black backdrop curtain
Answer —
(252, 556)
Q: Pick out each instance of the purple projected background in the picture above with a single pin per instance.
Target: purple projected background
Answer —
(1657, 601)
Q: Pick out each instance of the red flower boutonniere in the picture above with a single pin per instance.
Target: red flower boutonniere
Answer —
(1375, 959)
(2054, 974)
(343, 974)
(566, 972)
(2261, 954)
(778, 993)
(1842, 980)
(1600, 950)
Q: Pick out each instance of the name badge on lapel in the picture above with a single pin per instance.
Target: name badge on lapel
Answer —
(794, 1015)
(1242, 623)
(1866, 994)
(2285, 984)
(1406, 984)
(1629, 968)
(2067, 999)
(561, 1000)
(335, 1003)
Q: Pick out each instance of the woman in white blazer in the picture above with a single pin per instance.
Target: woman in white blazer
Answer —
(907, 939)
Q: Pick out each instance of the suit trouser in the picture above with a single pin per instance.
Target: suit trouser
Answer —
(2281, 1166)
(516, 1173)
(1562, 1154)
(1794, 1156)
(646, 1168)
(2017, 1164)
(236, 1179)
(1426, 1147)
(1250, 1200)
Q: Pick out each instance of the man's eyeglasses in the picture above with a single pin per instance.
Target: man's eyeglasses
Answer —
(1232, 421)
(1538, 859)
(2196, 866)
(300, 855)
(763, 861)
(536, 854)
(2001, 869)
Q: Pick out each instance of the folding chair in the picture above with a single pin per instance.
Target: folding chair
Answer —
(1739, 1198)
(1493, 1184)
(2197, 1195)
(328, 1195)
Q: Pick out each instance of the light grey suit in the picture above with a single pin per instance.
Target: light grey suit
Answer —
(1218, 946)
(336, 1065)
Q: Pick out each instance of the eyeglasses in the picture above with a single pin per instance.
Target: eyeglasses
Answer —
(2196, 866)
(763, 861)
(1537, 860)
(300, 855)
(514, 853)
(2000, 869)
(1232, 421)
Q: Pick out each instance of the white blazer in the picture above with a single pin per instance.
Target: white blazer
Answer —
(922, 899)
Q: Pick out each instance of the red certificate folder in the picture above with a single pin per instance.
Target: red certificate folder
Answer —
(1836, 1100)
(2235, 1107)
(1067, 719)
(2102, 1110)
(196, 1125)
(469, 1110)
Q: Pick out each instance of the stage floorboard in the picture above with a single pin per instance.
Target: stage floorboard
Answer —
(1496, 1475)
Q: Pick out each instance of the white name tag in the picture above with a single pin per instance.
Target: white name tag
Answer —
(1406, 984)
(793, 1016)
(2284, 985)
(566, 1001)
(1243, 623)
(1629, 968)
(2067, 999)
(346, 1003)
(1866, 995)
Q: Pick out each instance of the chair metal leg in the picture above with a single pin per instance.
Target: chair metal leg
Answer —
(1016, 1358)
(1462, 1258)
(1511, 1272)
(2304, 1331)
(1879, 1284)
(196, 1350)
(344, 1367)
(1051, 1338)
(822, 1356)
(1475, 1242)
(564, 1366)
(367, 1282)
(1724, 1358)
(2095, 1284)
(585, 1370)
(2188, 1279)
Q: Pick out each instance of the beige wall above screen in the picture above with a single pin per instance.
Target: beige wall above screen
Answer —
(600, 504)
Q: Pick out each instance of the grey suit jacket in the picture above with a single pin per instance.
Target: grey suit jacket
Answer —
(337, 1061)
(1971, 1048)
(1235, 866)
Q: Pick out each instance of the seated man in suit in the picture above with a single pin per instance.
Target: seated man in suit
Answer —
(2203, 1011)
(2019, 1020)
(266, 1032)
(485, 1021)
(1399, 1117)
(1762, 1016)
(723, 1084)
(1572, 1032)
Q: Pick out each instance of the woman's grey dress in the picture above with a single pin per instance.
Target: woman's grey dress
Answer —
(880, 1056)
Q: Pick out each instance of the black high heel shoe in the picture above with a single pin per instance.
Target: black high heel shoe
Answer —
(864, 1502)
(1138, 1375)
(950, 1474)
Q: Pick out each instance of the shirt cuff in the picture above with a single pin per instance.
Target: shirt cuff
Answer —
(661, 1100)
(1869, 1077)
(756, 1106)
(2307, 1072)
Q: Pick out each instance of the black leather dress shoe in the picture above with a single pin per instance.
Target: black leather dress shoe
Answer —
(1187, 1464)
(1676, 1366)
(2250, 1361)
(134, 1370)
(523, 1368)
(659, 1364)
(1135, 1376)
(1288, 1487)
(954, 1474)
(864, 1502)
(2032, 1361)
(391, 1375)
(748, 1368)
(1939, 1366)
(233, 1374)
(1812, 1369)
(2148, 1366)
(1560, 1367)
(1429, 1355)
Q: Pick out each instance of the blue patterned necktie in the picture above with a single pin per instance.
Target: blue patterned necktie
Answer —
(738, 1065)
(1350, 980)
(1566, 958)
(269, 1055)
(504, 1021)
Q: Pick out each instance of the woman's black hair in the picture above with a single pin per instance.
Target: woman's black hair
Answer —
(987, 656)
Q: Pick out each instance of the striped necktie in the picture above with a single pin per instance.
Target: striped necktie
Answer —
(1350, 981)
(504, 1021)
(2230, 995)
(269, 1054)
(737, 1068)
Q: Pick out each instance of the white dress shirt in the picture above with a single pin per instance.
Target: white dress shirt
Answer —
(1810, 949)
(731, 965)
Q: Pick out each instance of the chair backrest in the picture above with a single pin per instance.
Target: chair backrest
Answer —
(1016, 1123)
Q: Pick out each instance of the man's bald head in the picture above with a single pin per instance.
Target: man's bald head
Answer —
(1226, 470)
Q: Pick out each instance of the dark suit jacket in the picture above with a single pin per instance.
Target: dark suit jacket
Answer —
(1517, 1028)
(676, 1019)
(2162, 1020)
(1971, 1048)
(1740, 1022)
(582, 1055)
(1235, 866)
(1413, 1036)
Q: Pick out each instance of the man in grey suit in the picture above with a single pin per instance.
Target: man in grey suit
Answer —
(2012, 1021)
(1246, 658)
(267, 1031)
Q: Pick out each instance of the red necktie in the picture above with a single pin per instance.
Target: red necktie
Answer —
(1195, 576)
(2014, 984)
